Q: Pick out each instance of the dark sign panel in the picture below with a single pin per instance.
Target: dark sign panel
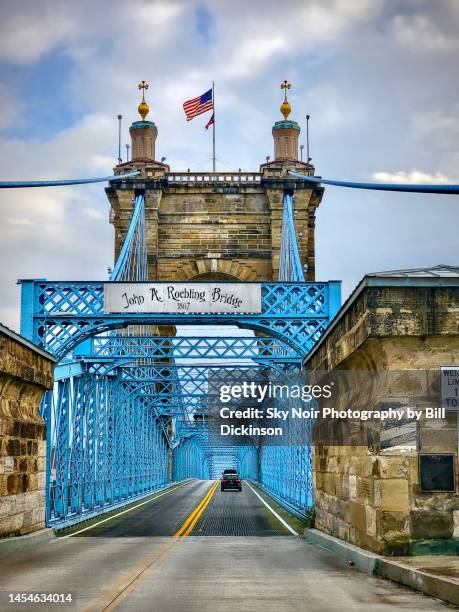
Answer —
(436, 473)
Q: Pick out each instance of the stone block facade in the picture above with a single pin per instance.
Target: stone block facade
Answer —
(367, 491)
(25, 373)
(216, 225)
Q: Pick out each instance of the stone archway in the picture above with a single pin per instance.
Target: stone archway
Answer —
(215, 269)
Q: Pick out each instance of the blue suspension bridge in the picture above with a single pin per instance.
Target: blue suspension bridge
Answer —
(130, 411)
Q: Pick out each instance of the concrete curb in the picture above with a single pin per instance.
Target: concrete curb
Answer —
(363, 560)
(430, 584)
(440, 587)
(26, 542)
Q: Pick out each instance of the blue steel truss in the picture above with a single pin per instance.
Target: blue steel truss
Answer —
(105, 446)
(60, 315)
(290, 268)
(177, 390)
(130, 410)
(193, 347)
(132, 261)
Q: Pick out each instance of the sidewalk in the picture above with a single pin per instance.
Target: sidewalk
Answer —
(434, 575)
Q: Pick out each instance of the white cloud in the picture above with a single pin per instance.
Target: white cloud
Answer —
(362, 92)
(155, 14)
(60, 232)
(10, 107)
(420, 34)
(439, 127)
(333, 109)
(94, 213)
(251, 40)
(67, 154)
(451, 165)
(101, 163)
(36, 208)
(30, 30)
(253, 54)
(17, 221)
(412, 178)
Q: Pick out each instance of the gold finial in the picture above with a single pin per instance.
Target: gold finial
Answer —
(143, 108)
(285, 108)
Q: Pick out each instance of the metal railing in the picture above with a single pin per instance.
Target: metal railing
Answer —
(234, 178)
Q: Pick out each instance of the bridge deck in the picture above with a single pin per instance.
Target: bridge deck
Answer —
(130, 562)
(229, 513)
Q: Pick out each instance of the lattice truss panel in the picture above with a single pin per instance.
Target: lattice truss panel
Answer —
(105, 445)
(61, 315)
(286, 467)
(188, 347)
(130, 411)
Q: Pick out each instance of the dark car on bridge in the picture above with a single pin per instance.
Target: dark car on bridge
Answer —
(231, 480)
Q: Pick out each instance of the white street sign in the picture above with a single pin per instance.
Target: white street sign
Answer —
(449, 386)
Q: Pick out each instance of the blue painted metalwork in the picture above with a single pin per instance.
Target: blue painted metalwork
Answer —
(141, 125)
(131, 412)
(66, 313)
(439, 189)
(286, 469)
(132, 261)
(189, 347)
(290, 268)
(61, 183)
(105, 446)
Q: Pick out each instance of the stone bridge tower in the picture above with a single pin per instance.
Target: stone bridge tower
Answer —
(216, 225)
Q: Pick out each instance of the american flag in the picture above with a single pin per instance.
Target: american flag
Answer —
(211, 122)
(198, 105)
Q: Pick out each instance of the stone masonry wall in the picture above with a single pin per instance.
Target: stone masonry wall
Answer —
(231, 232)
(24, 376)
(216, 230)
(366, 494)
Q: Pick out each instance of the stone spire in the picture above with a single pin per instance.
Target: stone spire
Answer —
(143, 133)
(286, 132)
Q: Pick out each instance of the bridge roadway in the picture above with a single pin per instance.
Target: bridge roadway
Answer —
(130, 562)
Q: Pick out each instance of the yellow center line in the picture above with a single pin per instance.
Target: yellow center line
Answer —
(125, 584)
(191, 521)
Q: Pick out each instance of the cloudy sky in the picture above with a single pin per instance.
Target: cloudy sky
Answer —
(378, 77)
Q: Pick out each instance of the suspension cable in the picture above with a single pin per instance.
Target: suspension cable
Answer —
(441, 189)
(61, 183)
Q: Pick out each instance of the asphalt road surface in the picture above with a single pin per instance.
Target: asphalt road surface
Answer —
(217, 562)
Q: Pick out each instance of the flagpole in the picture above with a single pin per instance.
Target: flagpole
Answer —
(213, 128)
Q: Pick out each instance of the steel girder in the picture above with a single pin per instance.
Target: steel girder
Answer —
(58, 316)
(122, 408)
(178, 389)
(197, 381)
(286, 469)
(290, 268)
(132, 263)
(105, 446)
(189, 347)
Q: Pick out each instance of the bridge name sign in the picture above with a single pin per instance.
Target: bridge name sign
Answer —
(182, 297)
